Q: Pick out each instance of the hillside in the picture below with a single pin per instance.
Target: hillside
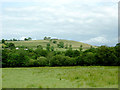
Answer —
(34, 43)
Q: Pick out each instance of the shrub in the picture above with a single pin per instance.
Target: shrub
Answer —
(69, 53)
(31, 62)
(61, 45)
(42, 61)
(52, 48)
(76, 53)
(54, 42)
(40, 52)
(3, 41)
(40, 47)
(60, 60)
(10, 45)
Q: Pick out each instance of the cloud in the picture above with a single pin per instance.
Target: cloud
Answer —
(97, 41)
(78, 20)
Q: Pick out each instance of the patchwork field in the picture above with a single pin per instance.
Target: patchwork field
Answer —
(60, 77)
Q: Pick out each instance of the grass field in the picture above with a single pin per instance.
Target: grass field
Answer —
(61, 77)
(34, 43)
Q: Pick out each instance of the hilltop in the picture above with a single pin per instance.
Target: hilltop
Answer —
(34, 43)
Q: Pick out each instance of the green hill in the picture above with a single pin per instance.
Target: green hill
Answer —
(34, 43)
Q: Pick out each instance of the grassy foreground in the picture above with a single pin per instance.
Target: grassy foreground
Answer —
(60, 77)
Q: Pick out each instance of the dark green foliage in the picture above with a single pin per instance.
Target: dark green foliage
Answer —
(40, 47)
(76, 53)
(5, 53)
(15, 58)
(48, 44)
(48, 47)
(47, 38)
(39, 52)
(101, 56)
(52, 48)
(81, 48)
(3, 41)
(10, 45)
(70, 47)
(14, 39)
(69, 53)
(26, 39)
(61, 45)
(105, 56)
(54, 42)
(29, 38)
(60, 60)
(41, 61)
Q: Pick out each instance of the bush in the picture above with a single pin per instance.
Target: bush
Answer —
(54, 42)
(61, 45)
(106, 56)
(60, 60)
(52, 48)
(42, 61)
(31, 63)
(48, 47)
(40, 47)
(40, 52)
(69, 53)
(3, 41)
(17, 59)
(10, 45)
(76, 53)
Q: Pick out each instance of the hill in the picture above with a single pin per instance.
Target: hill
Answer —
(34, 43)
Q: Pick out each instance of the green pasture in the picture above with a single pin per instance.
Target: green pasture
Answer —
(61, 77)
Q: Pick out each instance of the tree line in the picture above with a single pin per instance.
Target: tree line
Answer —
(27, 57)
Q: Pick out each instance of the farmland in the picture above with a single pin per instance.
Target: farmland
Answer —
(61, 77)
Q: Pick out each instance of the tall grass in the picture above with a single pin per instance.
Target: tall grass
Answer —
(61, 77)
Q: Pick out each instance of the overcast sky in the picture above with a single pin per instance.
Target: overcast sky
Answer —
(90, 21)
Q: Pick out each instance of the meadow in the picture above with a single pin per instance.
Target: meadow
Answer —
(61, 77)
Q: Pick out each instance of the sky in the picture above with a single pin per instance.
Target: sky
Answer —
(89, 21)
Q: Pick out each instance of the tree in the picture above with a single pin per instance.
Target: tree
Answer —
(26, 39)
(70, 47)
(40, 47)
(14, 39)
(61, 45)
(11, 45)
(29, 38)
(48, 47)
(49, 38)
(45, 38)
(42, 61)
(54, 42)
(105, 56)
(52, 48)
(76, 53)
(69, 53)
(60, 60)
(3, 41)
(81, 48)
